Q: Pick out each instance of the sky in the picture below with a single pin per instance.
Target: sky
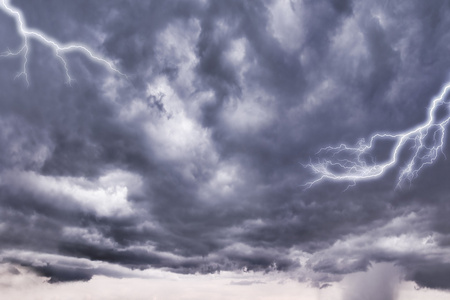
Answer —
(224, 149)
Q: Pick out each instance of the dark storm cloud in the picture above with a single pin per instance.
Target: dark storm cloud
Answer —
(221, 102)
(432, 276)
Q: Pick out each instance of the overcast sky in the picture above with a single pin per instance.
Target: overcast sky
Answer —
(174, 137)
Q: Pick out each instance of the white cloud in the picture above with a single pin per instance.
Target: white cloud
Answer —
(17, 282)
(107, 196)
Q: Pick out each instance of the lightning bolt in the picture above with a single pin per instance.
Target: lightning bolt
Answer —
(58, 48)
(356, 163)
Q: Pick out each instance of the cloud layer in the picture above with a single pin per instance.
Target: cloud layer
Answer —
(192, 163)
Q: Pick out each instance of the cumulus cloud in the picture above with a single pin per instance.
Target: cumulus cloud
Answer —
(192, 162)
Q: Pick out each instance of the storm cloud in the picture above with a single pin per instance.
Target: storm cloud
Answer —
(192, 160)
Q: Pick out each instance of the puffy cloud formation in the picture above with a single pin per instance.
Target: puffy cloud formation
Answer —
(192, 161)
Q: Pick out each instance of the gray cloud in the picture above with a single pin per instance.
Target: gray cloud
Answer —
(381, 282)
(193, 162)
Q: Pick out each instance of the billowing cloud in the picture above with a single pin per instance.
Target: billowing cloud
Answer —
(192, 160)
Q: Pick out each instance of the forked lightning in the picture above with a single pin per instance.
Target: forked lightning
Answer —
(59, 48)
(422, 143)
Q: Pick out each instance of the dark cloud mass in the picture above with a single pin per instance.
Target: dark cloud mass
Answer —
(192, 162)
